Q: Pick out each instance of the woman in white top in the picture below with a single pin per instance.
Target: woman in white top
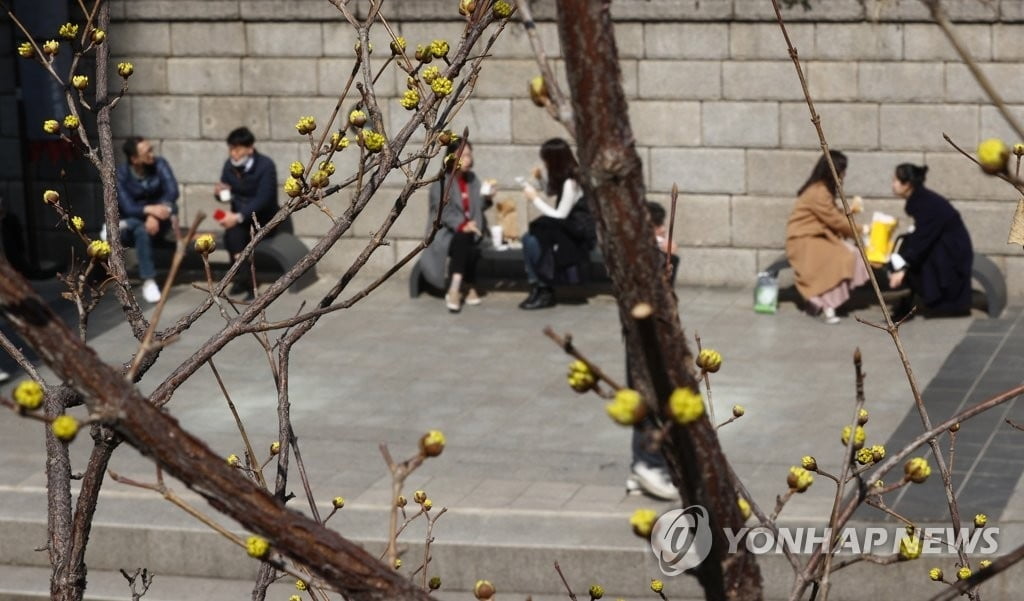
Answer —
(559, 242)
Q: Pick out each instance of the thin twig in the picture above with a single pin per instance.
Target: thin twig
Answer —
(558, 569)
(566, 345)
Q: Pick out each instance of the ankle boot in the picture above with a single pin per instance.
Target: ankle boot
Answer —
(532, 298)
(545, 298)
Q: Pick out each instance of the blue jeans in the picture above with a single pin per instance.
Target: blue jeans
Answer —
(532, 254)
(134, 234)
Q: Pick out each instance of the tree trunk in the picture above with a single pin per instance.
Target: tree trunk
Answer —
(660, 360)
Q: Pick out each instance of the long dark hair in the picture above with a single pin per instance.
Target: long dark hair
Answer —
(822, 173)
(909, 173)
(560, 163)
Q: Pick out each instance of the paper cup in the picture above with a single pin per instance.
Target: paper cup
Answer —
(496, 235)
(225, 195)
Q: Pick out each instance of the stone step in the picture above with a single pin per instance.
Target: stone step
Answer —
(516, 549)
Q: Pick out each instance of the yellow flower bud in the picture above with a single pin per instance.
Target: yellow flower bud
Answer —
(305, 125)
(993, 156)
(917, 470)
(419, 496)
(709, 360)
(98, 250)
(858, 436)
(430, 74)
(300, 585)
(99, 36)
(627, 408)
(799, 479)
(233, 460)
(483, 590)
(439, 48)
(338, 502)
(744, 506)
(71, 122)
(955, 427)
(51, 47)
(910, 547)
(423, 54)
(864, 456)
(963, 573)
(1018, 149)
(410, 99)
(466, 7)
(398, 45)
(738, 411)
(51, 197)
(77, 223)
(398, 563)
(810, 463)
(28, 394)
(686, 405)
(358, 48)
(205, 244)
(319, 179)
(125, 70)
(371, 140)
(434, 583)
(68, 31)
(642, 522)
(432, 443)
(25, 50)
(596, 590)
(257, 547)
(51, 126)
(292, 187)
(296, 169)
(338, 141)
(935, 574)
(275, 448)
(502, 9)
(539, 91)
(657, 585)
(80, 82)
(984, 564)
(401, 501)
(862, 417)
(447, 137)
(357, 118)
(327, 167)
(65, 428)
(442, 86)
(980, 520)
(427, 504)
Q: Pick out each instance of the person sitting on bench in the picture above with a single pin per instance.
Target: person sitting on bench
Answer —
(147, 195)
(935, 260)
(559, 242)
(248, 181)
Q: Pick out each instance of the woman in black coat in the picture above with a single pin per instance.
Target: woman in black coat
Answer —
(935, 259)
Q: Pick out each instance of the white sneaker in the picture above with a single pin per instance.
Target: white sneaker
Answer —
(652, 481)
(828, 315)
(150, 291)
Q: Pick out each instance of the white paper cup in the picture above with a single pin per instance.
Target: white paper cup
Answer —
(225, 195)
(496, 235)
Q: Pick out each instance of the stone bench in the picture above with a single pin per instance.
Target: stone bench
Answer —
(507, 265)
(272, 257)
(983, 271)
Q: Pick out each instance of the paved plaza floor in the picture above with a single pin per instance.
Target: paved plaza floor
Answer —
(532, 470)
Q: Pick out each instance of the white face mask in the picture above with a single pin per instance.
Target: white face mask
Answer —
(240, 162)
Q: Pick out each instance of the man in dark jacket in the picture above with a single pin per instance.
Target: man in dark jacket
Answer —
(249, 182)
(147, 195)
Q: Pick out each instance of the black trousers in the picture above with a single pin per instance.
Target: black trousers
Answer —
(463, 255)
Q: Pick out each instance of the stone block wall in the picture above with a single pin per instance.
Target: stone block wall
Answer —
(715, 104)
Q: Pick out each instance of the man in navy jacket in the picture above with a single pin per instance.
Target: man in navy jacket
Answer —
(249, 182)
(147, 195)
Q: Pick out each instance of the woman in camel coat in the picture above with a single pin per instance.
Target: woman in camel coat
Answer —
(826, 266)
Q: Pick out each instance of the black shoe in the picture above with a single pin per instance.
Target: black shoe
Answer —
(545, 298)
(532, 298)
